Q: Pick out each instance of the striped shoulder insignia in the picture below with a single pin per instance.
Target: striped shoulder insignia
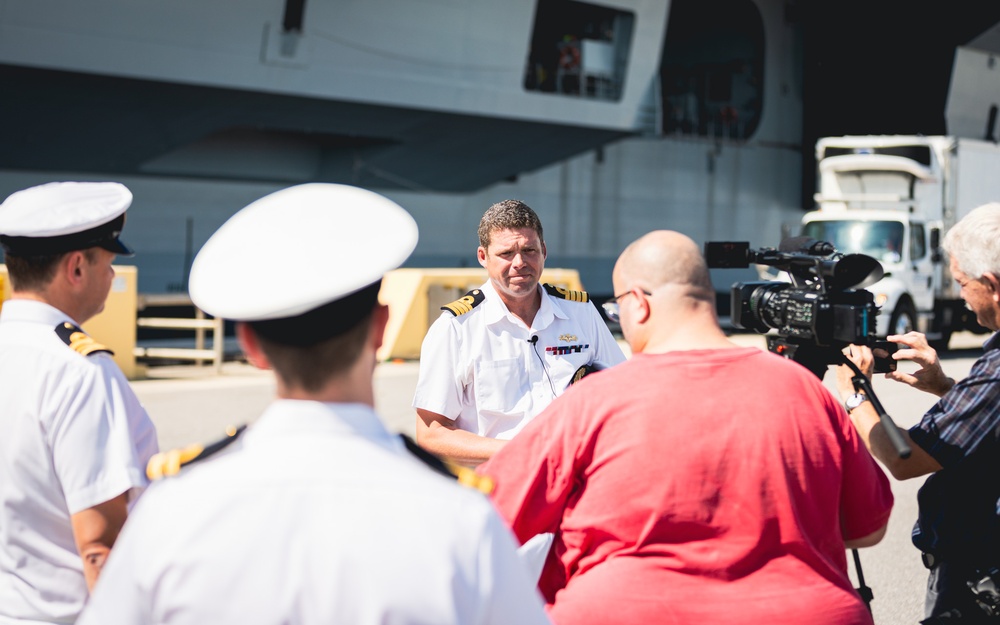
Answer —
(582, 372)
(566, 294)
(79, 341)
(465, 303)
(170, 463)
(464, 475)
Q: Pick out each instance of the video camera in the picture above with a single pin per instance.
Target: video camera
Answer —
(820, 311)
(823, 309)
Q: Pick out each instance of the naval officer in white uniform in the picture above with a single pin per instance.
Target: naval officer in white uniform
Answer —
(74, 440)
(497, 357)
(317, 514)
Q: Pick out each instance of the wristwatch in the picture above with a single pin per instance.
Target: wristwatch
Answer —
(854, 401)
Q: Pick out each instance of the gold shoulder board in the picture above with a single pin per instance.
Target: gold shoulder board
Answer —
(464, 475)
(170, 463)
(566, 294)
(79, 341)
(465, 303)
(582, 372)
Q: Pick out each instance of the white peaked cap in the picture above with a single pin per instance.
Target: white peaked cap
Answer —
(63, 216)
(300, 248)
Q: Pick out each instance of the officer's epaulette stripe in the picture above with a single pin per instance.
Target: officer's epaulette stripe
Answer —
(566, 294)
(79, 341)
(465, 303)
(581, 373)
(169, 463)
(464, 475)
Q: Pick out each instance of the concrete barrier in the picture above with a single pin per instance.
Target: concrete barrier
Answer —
(414, 296)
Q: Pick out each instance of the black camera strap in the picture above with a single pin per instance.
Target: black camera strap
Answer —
(862, 383)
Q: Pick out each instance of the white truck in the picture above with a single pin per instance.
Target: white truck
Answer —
(893, 197)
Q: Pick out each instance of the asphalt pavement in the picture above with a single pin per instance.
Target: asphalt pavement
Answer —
(191, 404)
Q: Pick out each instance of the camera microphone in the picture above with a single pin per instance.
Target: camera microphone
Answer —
(806, 245)
(533, 339)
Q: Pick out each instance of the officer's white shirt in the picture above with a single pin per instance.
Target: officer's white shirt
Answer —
(72, 435)
(316, 515)
(482, 370)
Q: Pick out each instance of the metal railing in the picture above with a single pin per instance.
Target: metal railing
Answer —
(200, 324)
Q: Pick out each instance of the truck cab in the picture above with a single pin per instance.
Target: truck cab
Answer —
(902, 245)
(883, 196)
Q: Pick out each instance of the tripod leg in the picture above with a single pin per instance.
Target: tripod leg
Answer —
(866, 593)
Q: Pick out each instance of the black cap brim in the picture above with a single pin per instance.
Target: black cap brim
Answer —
(104, 236)
(322, 323)
(117, 246)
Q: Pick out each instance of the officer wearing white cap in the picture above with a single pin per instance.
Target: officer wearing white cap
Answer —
(317, 514)
(75, 440)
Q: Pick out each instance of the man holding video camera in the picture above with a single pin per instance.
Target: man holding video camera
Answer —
(957, 441)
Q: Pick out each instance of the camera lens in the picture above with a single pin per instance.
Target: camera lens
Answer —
(768, 302)
(756, 305)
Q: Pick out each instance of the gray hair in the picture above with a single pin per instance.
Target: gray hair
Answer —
(974, 242)
(508, 215)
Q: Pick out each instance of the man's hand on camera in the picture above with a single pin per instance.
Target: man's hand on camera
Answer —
(865, 361)
(930, 377)
(869, 424)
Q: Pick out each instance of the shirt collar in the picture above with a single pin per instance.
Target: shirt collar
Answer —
(33, 311)
(496, 311)
(285, 417)
(992, 343)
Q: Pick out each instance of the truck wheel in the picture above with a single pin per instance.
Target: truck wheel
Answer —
(903, 319)
(941, 344)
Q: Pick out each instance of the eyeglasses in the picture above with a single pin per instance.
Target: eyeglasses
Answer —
(611, 306)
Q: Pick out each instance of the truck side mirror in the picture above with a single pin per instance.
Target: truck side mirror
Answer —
(936, 255)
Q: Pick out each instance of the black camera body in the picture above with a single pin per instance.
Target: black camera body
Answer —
(821, 310)
(804, 314)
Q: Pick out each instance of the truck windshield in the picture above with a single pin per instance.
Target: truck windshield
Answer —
(882, 240)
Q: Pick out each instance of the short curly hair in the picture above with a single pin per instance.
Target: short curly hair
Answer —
(508, 215)
(974, 242)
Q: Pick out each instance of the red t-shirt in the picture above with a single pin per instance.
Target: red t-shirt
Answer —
(709, 486)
